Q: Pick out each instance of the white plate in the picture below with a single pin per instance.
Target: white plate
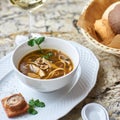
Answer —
(58, 103)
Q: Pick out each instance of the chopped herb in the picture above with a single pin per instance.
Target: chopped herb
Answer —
(31, 42)
(39, 40)
(48, 55)
(35, 103)
(32, 111)
(32, 103)
(36, 41)
(39, 104)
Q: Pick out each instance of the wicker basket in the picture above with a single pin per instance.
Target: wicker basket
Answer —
(92, 12)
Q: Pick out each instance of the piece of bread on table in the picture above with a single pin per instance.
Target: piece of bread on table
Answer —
(14, 111)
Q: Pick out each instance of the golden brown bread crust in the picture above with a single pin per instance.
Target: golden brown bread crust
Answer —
(115, 42)
(13, 113)
(105, 32)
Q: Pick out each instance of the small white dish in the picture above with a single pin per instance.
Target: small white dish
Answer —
(94, 111)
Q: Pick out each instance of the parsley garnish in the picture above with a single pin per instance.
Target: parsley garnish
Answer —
(32, 103)
(35, 103)
(48, 55)
(36, 41)
(39, 103)
(32, 111)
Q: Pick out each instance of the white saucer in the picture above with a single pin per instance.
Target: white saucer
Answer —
(58, 103)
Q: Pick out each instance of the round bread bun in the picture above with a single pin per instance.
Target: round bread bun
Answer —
(109, 9)
(114, 19)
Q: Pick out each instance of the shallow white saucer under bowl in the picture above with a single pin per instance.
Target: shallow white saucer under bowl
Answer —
(94, 111)
(58, 103)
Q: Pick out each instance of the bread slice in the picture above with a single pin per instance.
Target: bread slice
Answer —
(15, 113)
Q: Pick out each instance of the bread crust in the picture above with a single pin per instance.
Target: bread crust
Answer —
(11, 113)
(103, 29)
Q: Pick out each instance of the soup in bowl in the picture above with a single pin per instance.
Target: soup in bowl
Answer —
(47, 67)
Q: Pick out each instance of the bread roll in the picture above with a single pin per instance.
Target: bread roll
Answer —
(108, 10)
(103, 29)
(115, 42)
(114, 19)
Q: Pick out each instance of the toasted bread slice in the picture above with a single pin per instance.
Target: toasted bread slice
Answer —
(13, 113)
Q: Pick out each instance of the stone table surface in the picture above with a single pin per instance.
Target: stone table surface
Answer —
(57, 18)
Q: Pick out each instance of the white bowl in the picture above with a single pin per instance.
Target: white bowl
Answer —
(51, 84)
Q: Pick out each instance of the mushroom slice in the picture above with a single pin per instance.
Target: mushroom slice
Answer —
(46, 62)
(38, 61)
(44, 67)
(34, 68)
(15, 102)
(65, 59)
(41, 73)
(33, 75)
